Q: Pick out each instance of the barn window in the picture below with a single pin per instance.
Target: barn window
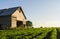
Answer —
(19, 11)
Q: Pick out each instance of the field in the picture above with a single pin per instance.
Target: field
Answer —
(30, 33)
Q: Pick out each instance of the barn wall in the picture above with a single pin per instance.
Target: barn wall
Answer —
(19, 16)
(5, 21)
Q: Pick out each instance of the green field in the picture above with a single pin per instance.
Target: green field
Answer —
(30, 33)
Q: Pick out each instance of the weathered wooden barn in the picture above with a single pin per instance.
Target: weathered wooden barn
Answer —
(12, 17)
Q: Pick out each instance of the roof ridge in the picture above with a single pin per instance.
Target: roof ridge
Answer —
(10, 7)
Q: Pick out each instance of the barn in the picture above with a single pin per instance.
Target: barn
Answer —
(12, 18)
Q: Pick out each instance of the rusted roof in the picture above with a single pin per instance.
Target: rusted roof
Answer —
(10, 11)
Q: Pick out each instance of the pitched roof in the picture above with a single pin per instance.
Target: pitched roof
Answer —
(10, 11)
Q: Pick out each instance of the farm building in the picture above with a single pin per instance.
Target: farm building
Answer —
(12, 17)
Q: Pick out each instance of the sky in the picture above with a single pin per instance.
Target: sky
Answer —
(42, 13)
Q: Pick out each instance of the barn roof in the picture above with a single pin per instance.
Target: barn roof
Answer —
(10, 11)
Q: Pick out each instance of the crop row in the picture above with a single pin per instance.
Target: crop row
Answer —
(29, 33)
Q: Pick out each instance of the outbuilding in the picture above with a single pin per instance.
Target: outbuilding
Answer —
(12, 18)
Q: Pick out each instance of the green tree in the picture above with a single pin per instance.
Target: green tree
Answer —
(29, 24)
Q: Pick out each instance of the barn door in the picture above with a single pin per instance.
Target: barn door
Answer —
(19, 23)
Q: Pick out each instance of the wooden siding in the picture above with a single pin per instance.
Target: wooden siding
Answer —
(13, 22)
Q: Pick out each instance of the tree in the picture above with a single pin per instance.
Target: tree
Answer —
(29, 24)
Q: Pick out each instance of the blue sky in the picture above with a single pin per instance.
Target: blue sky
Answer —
(40, 12)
